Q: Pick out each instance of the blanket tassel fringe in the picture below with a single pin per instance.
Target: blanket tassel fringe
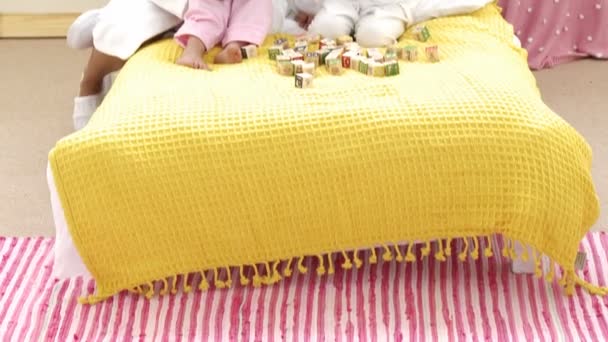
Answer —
(271, 273)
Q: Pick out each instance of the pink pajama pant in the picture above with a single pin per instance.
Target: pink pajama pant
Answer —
(225, 21)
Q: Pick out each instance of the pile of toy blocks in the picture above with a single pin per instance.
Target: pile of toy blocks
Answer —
(302, 60)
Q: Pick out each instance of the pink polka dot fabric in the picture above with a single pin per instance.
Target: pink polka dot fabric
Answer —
(558, 31)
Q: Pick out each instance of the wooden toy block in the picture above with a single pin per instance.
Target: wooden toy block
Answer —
(346, 59)
(282, 42)
(389, 57)
(364, 65)
(275, 51)
(352, 47)
(342, 40)
(376, 69)
(301, 46)
(354, 62)
(308, 68)
(334, 66)
(422, 33)
(249, 51)
(391, 49)
(323, 53)
(283, 58)
(314, 43)
(326, 42)
(375, 54)
(303, 80)
(314, 38)
(293, 55)
(432, 53)
(297, 66)
(296, 56)
(334, 54)
(312, 57)
(285, 67)
(411, 53)
(400, 52)
(391, 68)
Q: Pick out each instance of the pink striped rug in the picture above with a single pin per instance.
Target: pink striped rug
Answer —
(428, 300)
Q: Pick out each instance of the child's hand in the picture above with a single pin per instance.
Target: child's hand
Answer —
(304, 19)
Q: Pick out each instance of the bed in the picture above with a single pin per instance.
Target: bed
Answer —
(158, 185)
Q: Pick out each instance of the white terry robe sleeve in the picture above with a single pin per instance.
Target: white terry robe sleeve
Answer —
(124, 25)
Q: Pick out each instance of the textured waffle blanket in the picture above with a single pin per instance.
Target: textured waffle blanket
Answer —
(185, 171)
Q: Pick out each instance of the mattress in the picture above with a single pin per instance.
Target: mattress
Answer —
(69, 264)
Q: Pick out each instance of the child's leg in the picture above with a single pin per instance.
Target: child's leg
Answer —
(381, 25)
(116, 36)
(336, 18)
(249, 23)
(97, 68)
(204, 25)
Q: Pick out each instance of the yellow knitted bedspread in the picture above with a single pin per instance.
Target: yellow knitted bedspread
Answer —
(183, 171)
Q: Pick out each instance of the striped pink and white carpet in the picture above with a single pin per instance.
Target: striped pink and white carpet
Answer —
(477, 300)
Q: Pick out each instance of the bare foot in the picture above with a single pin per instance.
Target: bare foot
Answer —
(192, 60)
(193, 54)
(230, 55)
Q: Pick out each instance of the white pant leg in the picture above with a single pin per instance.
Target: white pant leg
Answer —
(381, 25)
(308, 6)
(335, 18)
(124, 25)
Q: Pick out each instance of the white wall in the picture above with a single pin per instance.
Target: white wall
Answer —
(48, 6)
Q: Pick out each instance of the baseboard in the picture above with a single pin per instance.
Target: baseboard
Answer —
(35, 25)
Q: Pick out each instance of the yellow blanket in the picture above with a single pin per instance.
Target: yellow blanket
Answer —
(184, 171)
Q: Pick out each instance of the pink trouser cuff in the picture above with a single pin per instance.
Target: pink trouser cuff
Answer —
(202, 32)
(242, 33)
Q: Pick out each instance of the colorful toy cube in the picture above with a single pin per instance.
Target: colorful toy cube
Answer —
(282, 42)
(274, 51)
(334, 66)
(364, 66)
(312, 57)
(411, 53)
(391, 49)
(314, 43)
(389, 57)
(375, 54)
(432, 53)
(376, 69)
(308, 68)
(323, 53)
(342, 40)
(326, 42)
(298, 66)
(391, 68)
(297, 56)
(285, 67)
(422, 33)
(249, 51)
(303, 80)
(346, 59)
(355, 62)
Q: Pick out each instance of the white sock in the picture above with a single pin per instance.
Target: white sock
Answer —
(80, 33)
(84, 107)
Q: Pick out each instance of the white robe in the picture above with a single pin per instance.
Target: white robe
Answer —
(124, 25)
(377, 23)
